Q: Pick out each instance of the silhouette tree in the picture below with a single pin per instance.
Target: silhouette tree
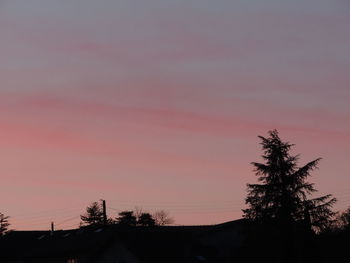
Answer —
(281, 203)
(4, 224)
(342, 221)
(93, 216)
(146, 219)
(126, 218)
(282, 197)
(138, 211)
(162, 218)
(140, 218)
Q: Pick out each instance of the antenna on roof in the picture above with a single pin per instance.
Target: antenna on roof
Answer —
(52, 228)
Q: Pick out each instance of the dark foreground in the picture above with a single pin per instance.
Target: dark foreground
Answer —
(236, 241)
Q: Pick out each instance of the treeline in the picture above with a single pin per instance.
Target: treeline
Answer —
(96, 215)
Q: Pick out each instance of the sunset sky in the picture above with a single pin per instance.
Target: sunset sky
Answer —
(158, 103)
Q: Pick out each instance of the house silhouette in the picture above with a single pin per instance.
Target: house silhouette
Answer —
(121, 244)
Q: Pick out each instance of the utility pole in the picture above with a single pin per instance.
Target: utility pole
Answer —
(52, 228)
(104, 212)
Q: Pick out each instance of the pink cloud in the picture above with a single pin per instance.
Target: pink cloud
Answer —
(204, 123)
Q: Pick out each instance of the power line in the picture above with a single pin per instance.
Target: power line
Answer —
(176, 207)
(67, 220)
(194, 211)
(176, 203)
(46, 213)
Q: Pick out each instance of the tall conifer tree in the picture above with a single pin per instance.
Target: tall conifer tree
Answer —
(282, 196)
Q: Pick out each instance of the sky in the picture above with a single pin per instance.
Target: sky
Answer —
(158, 104)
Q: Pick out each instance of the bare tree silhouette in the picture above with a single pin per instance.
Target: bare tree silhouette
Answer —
(162, 218)
(342, 221)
